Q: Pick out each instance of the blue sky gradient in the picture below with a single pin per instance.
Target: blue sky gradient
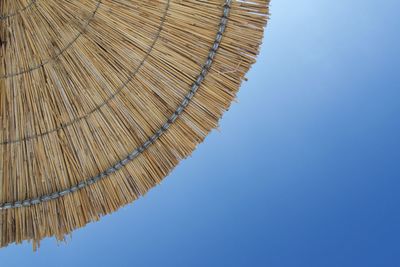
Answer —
(304, 171)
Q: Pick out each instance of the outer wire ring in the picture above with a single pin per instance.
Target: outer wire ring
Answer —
(120, 164)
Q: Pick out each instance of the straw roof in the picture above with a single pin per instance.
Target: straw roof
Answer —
(101, 99)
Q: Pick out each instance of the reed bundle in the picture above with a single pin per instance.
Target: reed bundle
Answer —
(100, 100)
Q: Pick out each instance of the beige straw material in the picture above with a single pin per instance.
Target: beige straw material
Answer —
(101, 99)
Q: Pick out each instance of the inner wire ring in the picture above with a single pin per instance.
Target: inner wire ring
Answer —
(18, 11)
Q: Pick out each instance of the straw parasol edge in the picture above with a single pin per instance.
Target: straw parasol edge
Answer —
(213, 44)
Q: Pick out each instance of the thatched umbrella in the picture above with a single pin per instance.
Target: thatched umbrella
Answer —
(101, 99)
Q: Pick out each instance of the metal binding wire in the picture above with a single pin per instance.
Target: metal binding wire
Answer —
(135, 153)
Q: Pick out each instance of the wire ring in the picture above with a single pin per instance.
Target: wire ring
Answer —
(105, 102)
(135, 153)
(16, 12)
(59, 53)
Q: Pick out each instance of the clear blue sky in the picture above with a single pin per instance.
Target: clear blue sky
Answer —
(305, 170)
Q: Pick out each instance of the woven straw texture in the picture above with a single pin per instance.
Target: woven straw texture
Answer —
(101, 99)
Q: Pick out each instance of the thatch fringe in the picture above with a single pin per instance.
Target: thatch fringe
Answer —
(70, 110)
